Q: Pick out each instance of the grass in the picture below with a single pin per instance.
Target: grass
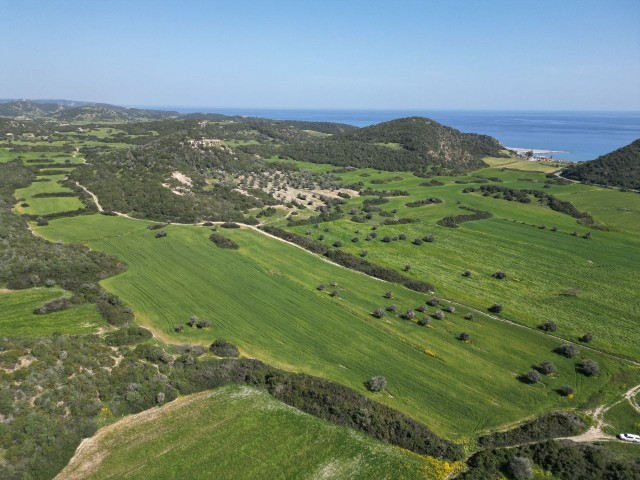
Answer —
(18, 319)
(230, 433)
(263, 298)
(541, 264)
(46, 205)
(623, 418)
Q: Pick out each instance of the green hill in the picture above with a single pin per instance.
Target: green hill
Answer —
(620, 168)
(231, 432)
(408, 144)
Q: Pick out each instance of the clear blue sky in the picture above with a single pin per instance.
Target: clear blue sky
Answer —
(438, 54)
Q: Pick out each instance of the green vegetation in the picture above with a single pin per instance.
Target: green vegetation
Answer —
(18, 319)
(620, 168)
(268, 300)
(220, 433)
(623, 418)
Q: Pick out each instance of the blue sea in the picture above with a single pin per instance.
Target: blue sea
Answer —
(578, 135)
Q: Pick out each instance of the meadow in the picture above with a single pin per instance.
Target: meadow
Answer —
(583, 285)
(18, 319)
(46, 205)
(229, 433)
(264, 298)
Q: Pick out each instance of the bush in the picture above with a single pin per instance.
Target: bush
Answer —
(586, 338)
(464, 336)
(429, 238)
(495, 308)
(392, 308)
(568, 350)
(230, 225)
(469, 316)
(222, 348)
(406, 268)
(500, 275)
(127, 336)
(223, 242)
(589, 367)
(532, 377)
(434, 301)
(449, 308)
(566, 391)
(378, 312)
(377, 383)
(547, 367)
(41, 221)
(161, 234)
(548, 326)
(337, 243)
(409, 315)
(466, 273)
(364, 253)
(438, 315)
(388, 294)
(418, 241)
(424, 321)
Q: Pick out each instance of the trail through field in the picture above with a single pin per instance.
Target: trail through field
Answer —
(480, 312)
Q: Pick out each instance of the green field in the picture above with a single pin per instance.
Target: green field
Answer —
(18, 320)
(263, 297)
(46, 205)
(240, 433)
(541, 264)
(623, 418)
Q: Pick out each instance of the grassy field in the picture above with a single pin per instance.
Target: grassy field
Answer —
(623, 418)
(46, 205)
(263, 297)
(541, 264)
(38, 158)
(230, 433)
(18, 319)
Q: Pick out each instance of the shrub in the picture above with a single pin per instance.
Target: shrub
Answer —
(378, 312)
(392, 308)
(586, 338)
(547, 367)
(500, 275)
(469, 316)
(566, 391)
(466, 273)
(429, 238)
(230, 225)
(364, 253)
(337, 243)
(434, 301)
(418, 241)
(422, 308)
(409, 315)
(178, 328)
(41, 221)
(568, 350)
(438, 315)
(222, 348)
(548, 326)
(464, 336)
(335, 293)
(223, 242)
(355, 239)
(424, 321)
(406, 268)
(203, 324)
(377, 383)
(388, 294)
(589, 367)
(495, 308)
(161, 234)
(402, 236)
(449, 308)
(532, 377)
(321, 287)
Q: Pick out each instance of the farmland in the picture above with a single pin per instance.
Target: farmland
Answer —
(242, 423)
(269, 305)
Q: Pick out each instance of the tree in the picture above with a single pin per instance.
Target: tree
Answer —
(424, 321)
(406, 268)
(378, 312)
(566, 390)
(495, 308)
(520, 468)
(422, 308)
(418, 241)
(434, 301)
(377, 383)
(500, 275)
(548, 326)
(429, 238)
(388, 294)
(392, 308)
(586, 338)
(41, 221)
(337, 243)
(178, 328)
(438, 315)
(409, 315)
(533, 377)
(568, 350)
(321, 287)
(160, 397)
(469, 316)
(335, 293)
(193, 320)
(449, 308)
(364, 253)
(464, 336)
(547, 367)
(590, 367)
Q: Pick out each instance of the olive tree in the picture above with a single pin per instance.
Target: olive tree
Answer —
(377, 383)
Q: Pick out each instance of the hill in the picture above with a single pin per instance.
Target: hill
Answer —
(229, 433)
(408, 144)
(620, 168)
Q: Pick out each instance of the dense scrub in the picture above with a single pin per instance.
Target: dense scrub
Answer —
(454, 221)
(620, 168)
(551, 425)
(566, 460)
(223, 242)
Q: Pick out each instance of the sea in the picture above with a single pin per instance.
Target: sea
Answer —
(574, 136)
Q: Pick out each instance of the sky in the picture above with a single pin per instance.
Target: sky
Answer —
(348, 54)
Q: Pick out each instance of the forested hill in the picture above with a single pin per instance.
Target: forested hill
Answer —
(409, 144)
(620, 168)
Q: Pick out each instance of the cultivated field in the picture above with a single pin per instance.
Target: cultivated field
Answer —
(230, 433)
(263, 297)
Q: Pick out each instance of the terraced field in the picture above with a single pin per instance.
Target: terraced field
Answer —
(229, 433)
(263, 297)
(18, 319)
(38, 205)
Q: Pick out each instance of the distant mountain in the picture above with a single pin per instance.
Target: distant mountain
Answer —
(620, 168)
(408, 144)
(73, 111)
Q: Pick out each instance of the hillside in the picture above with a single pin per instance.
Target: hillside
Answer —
(409, 144)
(229, 433)
(620, 168)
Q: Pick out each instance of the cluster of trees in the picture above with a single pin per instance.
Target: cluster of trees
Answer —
(427, 201)
(223, 242)
(455, 221)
